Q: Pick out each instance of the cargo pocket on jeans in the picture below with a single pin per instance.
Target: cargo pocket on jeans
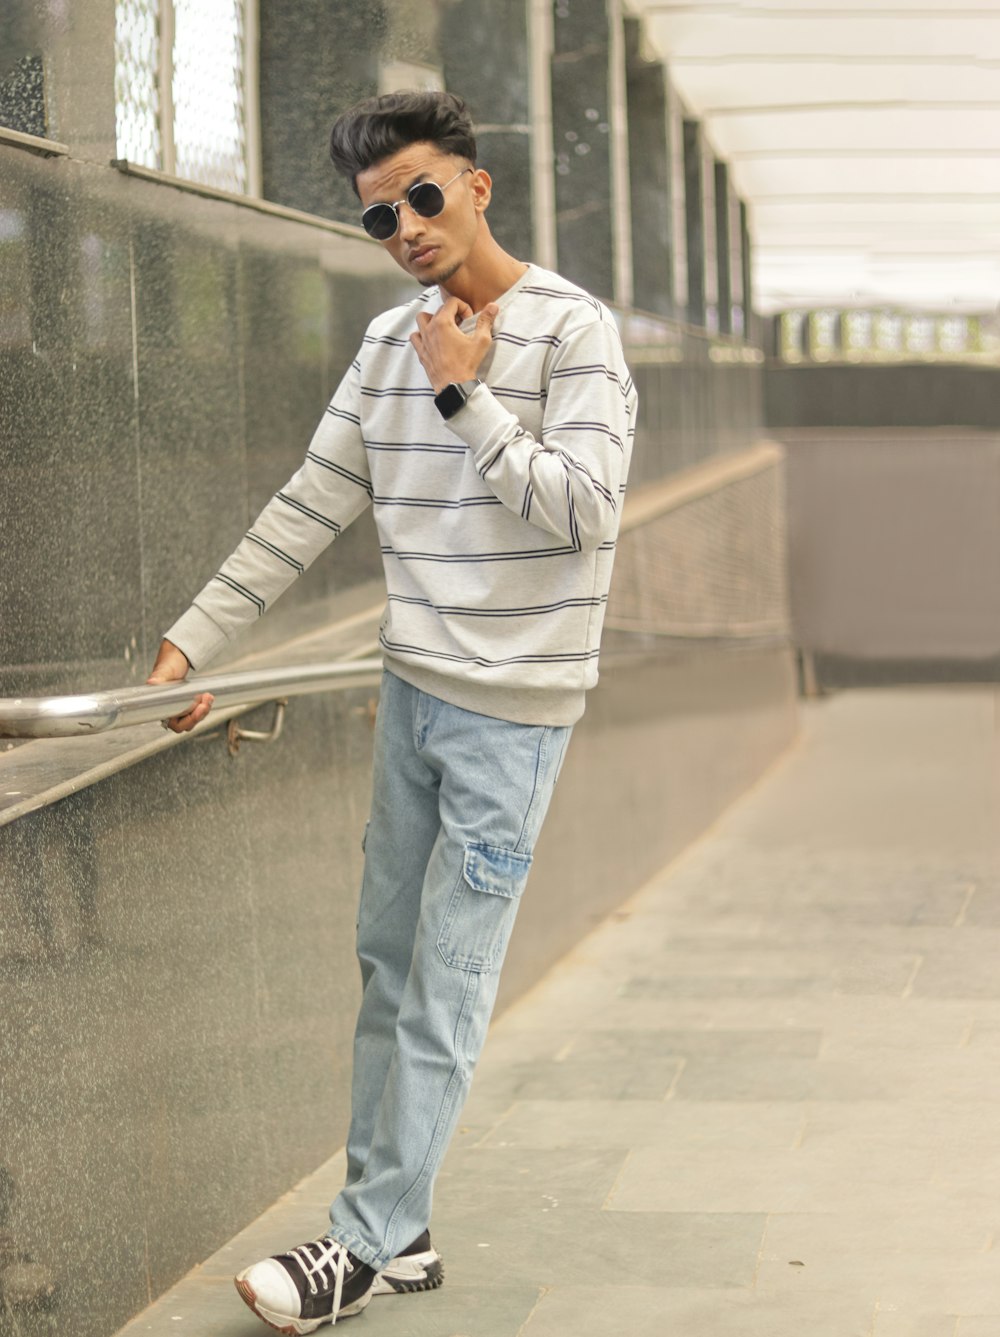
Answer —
(480, 915)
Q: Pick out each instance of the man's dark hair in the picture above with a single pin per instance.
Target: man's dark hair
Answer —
(380, 126)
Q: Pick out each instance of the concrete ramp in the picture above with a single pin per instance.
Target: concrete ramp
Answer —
(762, 1100)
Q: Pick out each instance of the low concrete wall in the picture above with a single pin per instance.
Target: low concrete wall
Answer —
(917, 394)
(894, 553)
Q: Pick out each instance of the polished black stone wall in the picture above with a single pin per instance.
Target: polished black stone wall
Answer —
(651, 180)
(176, 983)
(485, 57)
(163, 364)
(336, 52)
(729, 278)
(702, 255)
(582, 113)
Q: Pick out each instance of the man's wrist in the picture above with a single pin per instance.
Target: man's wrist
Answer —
(454, 396)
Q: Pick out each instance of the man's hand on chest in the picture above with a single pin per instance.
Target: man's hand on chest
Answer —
(446, 353)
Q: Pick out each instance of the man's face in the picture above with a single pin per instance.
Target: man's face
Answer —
(431, 249)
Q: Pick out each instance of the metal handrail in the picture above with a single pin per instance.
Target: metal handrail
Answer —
(97, 712)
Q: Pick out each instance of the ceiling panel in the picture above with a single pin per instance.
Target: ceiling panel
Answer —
(865, 137)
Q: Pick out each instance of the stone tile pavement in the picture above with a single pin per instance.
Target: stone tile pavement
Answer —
(763, 1100)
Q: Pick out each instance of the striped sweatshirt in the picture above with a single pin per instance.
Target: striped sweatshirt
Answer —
(497, 528)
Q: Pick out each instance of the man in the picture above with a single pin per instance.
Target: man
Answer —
(489, 422)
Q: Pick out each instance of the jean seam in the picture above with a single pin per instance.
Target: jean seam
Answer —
(540, 756)
(448, 1101)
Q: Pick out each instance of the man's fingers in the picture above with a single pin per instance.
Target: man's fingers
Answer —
(484, 324)
(186, 721)
(486, 317)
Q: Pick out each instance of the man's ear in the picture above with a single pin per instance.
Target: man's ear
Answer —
(482, 189)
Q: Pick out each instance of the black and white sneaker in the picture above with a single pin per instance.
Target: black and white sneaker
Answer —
(418, 1268)
(313, 1284)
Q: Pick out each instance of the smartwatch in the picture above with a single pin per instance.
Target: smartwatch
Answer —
(454, 397)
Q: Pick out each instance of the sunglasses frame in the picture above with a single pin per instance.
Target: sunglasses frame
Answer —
(421, 213)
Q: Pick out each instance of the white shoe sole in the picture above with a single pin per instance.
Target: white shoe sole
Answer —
(410, 1272)
(286, 1323)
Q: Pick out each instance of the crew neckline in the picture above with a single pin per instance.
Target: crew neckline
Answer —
(502, 301)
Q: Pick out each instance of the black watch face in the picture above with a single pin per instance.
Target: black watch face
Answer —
(450, 400)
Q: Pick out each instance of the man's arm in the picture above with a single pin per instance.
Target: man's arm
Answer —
(570, 482)
(331, 489)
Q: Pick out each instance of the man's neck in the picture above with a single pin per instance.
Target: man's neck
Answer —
(486, 275)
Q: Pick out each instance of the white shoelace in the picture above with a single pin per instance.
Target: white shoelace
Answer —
(315, 1257)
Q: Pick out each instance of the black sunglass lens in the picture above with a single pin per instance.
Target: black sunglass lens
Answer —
(379, 221)
(426, 198)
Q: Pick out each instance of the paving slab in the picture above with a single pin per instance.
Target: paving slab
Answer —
(761, 1100)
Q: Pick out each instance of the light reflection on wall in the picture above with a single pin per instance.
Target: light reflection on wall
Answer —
(15, 323)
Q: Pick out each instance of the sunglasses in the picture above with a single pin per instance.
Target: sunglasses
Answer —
(425, 198)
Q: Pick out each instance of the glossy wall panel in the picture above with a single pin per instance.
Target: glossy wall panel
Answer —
(337, 52)
(164, 360)
(582, 114)
(69, 509)
(175, 963)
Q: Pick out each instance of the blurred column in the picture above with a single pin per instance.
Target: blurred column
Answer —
(703, 274)
(485, 58)
(737, 277)
(650, 177)
(723, 251)
(588, 99)
(315, 62)
(746, 244)
(678, 195)
(731, 244)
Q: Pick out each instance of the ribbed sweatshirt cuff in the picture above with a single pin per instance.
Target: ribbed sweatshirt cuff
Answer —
(197, 636)
(481, 422)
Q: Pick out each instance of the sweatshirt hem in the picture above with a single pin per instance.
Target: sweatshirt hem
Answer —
(518, 705)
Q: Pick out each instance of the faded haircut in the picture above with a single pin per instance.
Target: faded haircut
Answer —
(380, 126)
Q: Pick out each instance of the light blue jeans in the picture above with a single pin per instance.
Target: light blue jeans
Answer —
(458, 801)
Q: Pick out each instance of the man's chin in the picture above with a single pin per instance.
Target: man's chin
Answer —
(439, 277)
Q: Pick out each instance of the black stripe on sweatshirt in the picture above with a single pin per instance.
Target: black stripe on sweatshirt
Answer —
(255, 599)
(586, 427)
(502, 336)
(536, 290)
(580, 468)
(308, 512)
(529, 610)
(595, 369)
(425, 447)
(342, 413)
(397, 392)
(339, 469)
(522, 555)
(276, 552)
(482, 661)
(438, 503)
(512, 392)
